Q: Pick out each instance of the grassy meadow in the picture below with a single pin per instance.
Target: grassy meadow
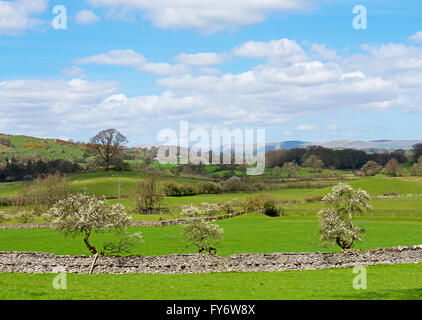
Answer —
(248, 233)
(384, 282)
(393, 221)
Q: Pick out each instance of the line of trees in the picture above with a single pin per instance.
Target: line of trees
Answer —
(17, 170)
(346, 159)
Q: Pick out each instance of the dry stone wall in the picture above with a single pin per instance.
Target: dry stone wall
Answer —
(34, 262)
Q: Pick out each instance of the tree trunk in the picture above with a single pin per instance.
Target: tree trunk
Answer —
(343, 244)
(350, 217)
(88, 245)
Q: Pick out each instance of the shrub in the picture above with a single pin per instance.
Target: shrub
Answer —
(3, 217)
(24, 216)
(270, 208)
(209, 188)
(191, 211)
(228, 207)
(43, 193)
(188, 190)
(172, 190)
(391, 194)
(119, 165)
(234, 184)
(210, 209)
(258, 202)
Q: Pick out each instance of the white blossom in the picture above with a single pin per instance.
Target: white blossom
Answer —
(336, 223)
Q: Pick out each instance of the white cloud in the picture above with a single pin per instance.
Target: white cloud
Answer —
(201, 59)
(378, 78)
(130, 58)
(163, 69)
(86, 17)
(206, 16)
(283, 50)
(416, 38)
(127, 58)
(323, 53)
(53, 106)
(17, 16)
(209, 71)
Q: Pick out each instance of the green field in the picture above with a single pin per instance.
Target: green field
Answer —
(383, 282)
(393, 221)
(246, 233)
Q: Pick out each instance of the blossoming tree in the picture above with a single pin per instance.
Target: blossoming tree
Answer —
(203, 235)
(336, 222)
(82, 213)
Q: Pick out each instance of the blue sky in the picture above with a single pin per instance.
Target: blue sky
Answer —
(296, 68)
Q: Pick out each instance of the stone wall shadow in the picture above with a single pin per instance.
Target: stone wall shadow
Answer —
(403, 294)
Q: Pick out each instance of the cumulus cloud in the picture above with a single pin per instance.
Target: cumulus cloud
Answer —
(201, 59)
(17, 16)
(323, 53)
(130, 58)
(48, 105)
(86, 17)
(416, 38)
(206, 16)
(283, 50)
(270, 93)
(127, 58)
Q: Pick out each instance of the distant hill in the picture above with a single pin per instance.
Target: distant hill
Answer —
(286, 145)
(375, 145)
(369, 146)
(36, 148)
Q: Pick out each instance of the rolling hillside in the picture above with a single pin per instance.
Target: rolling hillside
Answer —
(31, 147)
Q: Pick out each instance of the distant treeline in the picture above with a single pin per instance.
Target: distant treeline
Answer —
(14, 170)
(346, 159)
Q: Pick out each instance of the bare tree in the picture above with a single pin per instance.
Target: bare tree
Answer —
(392, 167)
(108, 144)
(148, 194)
(416, 169)
(371, 168)
(42, 193)
(290, 169)
(313, 162)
